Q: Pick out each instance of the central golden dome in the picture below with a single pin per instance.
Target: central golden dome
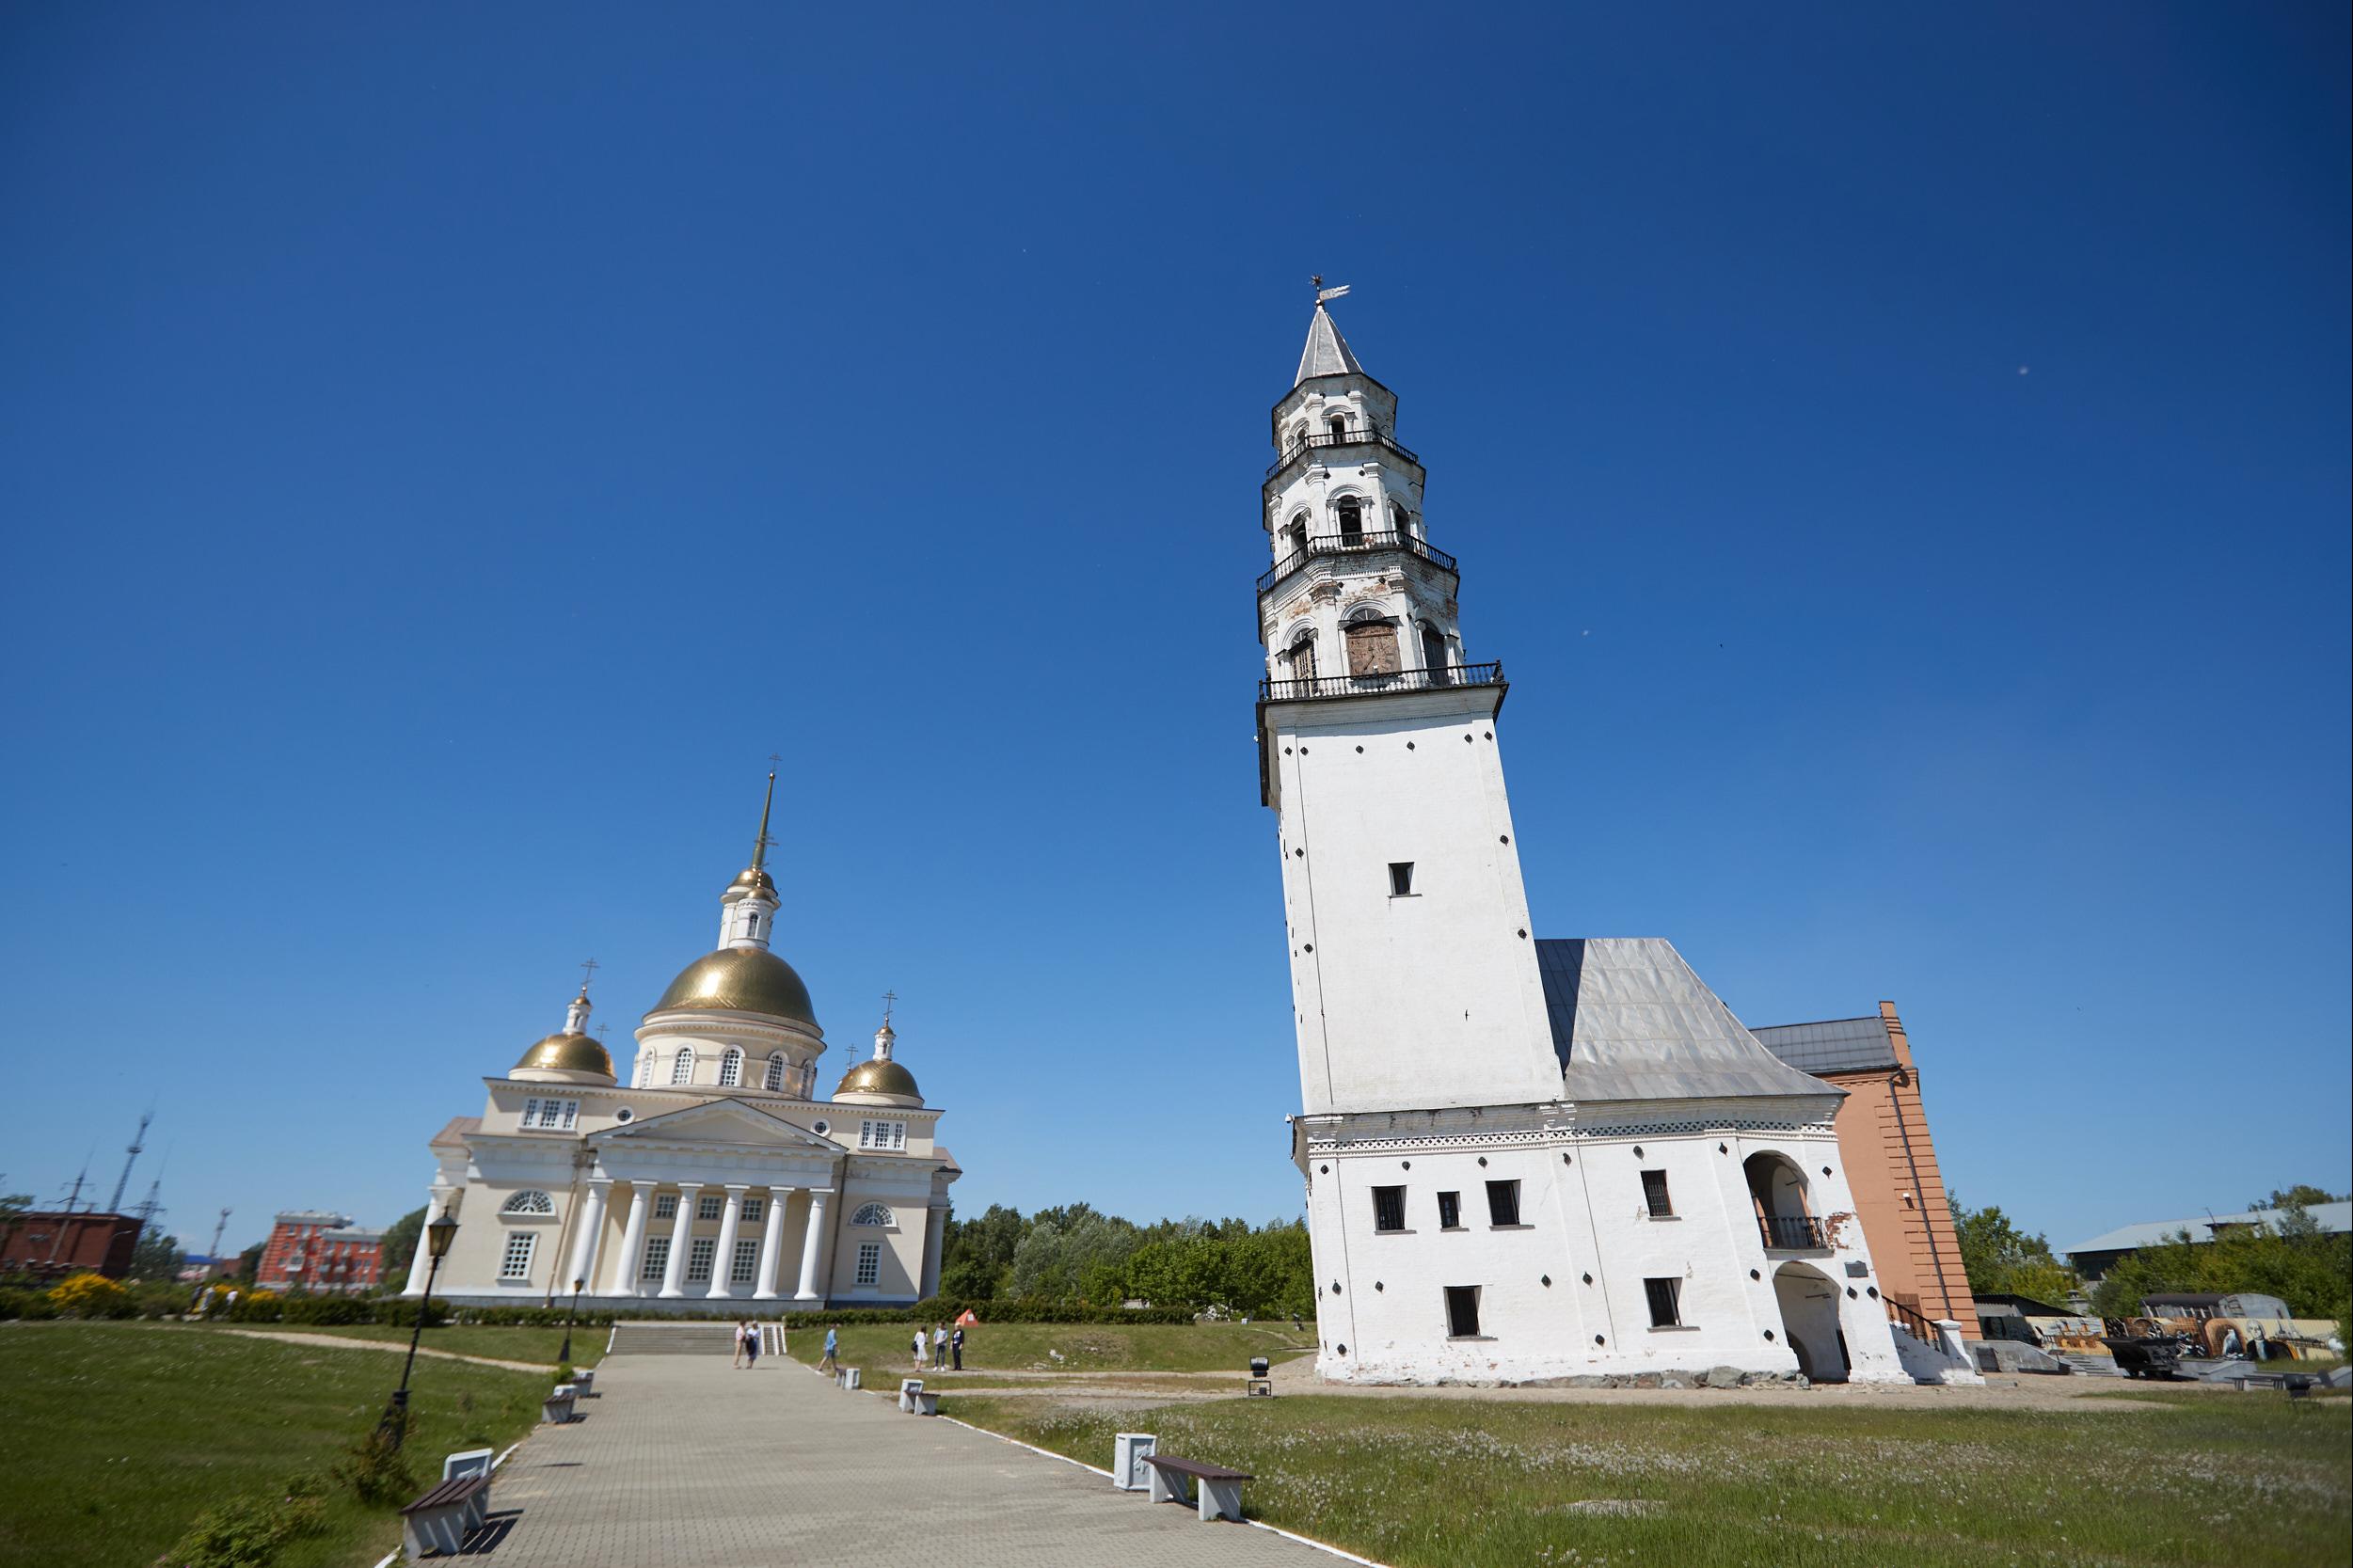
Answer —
(880, 1077)
(740, 980)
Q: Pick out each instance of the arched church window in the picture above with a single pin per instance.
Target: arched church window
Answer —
(1397, 520)
(1295, 536)
(682, 1066)
(532, 1201)
(731, 1068)
(872, 1214)
(1337, 424)
(774, 1081)
(1351, 514)
(1303, 658)
(1299, 435)
(1434, 654)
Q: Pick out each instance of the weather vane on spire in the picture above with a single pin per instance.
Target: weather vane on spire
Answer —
(1323, 295)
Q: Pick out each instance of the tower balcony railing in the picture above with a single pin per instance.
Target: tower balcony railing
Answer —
(1355, 543)
(1793, 1233)
(1441, 678)
(1358, 436)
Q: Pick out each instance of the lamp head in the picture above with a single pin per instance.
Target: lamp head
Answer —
(440, 1234)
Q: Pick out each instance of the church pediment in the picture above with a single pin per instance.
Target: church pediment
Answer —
(719, 1123)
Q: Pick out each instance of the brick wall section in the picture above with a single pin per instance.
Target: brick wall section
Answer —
(50, 1246)
(1899, 1190)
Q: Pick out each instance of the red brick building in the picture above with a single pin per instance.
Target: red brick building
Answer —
(50, 1245)
(321, 1252)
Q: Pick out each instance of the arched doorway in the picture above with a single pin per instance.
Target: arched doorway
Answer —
(1810, 1321)
(1350, 512)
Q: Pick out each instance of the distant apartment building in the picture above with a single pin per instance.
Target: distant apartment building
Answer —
(52, 1244)
(320, 1251)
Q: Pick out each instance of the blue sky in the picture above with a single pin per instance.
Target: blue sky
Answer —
(1901, 457)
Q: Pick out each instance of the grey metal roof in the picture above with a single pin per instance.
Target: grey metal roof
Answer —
(1631, 1020)
(1836, 1045)
(2335, 1218)
(1327, 352)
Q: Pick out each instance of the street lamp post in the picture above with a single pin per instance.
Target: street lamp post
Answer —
(437, 1238)
(565, 1355)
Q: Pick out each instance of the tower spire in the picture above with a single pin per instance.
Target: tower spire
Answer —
(1327, 352)
(759, 845)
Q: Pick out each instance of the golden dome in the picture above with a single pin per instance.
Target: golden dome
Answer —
(740, 980)
(751, 880)
(878, 1077)
(568, 1053)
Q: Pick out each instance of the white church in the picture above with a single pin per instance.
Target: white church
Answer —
(715, 1175)
(1524, 1158)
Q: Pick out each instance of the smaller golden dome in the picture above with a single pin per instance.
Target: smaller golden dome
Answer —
(750, 883)
(882, 1078)
(568, 1053)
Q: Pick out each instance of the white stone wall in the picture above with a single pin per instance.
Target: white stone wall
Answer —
(1563, 1294)
(1429, 999)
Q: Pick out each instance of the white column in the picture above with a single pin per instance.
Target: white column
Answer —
(771, 1244)
(813, 1244)
(681, 1233)
(934, 1239)
(723, 1262)
(419, 1267)
(591, 1230)
(633, 1240)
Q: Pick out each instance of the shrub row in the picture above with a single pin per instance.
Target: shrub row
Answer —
(106, 1299)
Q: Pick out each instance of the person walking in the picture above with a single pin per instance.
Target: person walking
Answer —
(742, 1329)
(751, 1346)
(956, 1347)
(918, 1346)
(833, 1345)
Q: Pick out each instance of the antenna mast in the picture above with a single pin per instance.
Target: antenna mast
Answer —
(214, 1253)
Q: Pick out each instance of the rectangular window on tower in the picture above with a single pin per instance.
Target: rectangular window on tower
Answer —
(1389, 1208)
(656, 1257)
(1666, 1302)
(754, 1209)
(515, 1264)
(699, 1253)
(708, 1207)
(666, 1208)
(1450, 1210)
(1462, 1311)
(745, 1263)
(1502, 1202)
(1401, 878)
(869, 1263)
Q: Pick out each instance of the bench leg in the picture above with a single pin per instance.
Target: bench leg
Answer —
(1161, 1491)
(1221, 1500)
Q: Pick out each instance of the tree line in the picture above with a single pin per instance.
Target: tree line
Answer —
(1077, 1254)
(2289, 1256)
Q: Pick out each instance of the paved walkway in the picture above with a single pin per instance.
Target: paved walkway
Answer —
(683, 1462)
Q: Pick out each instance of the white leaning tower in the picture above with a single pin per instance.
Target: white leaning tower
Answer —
(1523, 1160)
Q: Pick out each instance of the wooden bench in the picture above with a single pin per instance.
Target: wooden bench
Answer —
(1216, 1492)
(438, 1523)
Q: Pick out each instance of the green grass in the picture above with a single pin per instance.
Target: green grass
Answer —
(114, 1436)
(500, 1344)
(1085, 1347)
(2234, 1479)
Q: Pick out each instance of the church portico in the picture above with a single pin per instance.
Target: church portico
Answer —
(715, 1177)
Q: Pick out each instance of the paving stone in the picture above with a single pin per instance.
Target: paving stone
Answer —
(686, 1462)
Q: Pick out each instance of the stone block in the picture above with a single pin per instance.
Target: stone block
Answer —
(1725, 1377)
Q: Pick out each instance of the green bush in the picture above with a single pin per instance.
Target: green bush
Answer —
(333, 1310)
(249, 1532)
(377, 1471)
(28, 1305)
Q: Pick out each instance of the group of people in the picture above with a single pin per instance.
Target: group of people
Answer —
(941, 1345)
(747, 1343)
